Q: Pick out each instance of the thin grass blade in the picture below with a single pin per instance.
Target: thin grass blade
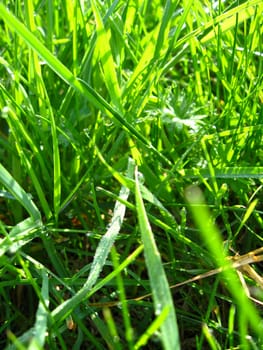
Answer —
(40, 326)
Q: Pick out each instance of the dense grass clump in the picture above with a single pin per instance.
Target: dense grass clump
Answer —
(131, 174)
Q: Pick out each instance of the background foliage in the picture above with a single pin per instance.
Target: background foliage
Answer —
(110, 110)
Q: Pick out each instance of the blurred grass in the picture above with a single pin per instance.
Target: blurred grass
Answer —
(88, 92)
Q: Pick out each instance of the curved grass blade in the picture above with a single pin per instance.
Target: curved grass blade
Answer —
(17, 191)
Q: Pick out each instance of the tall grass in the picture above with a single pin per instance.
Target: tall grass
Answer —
(131, 161)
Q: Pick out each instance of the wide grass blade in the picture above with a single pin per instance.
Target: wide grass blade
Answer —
(160, 288)
(105, 56)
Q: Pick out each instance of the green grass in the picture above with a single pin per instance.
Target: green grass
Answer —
(131, 161)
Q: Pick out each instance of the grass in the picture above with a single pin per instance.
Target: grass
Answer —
(131, 162)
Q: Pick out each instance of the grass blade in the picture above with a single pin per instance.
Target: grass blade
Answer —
(225, 173)
(40, 326)
(160, 288)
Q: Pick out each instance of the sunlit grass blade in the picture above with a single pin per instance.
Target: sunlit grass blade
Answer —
(248, 7)
(17, 344)
(162, 41)
(159, 285)
(105, 55)
(247, 214)
(210, 338)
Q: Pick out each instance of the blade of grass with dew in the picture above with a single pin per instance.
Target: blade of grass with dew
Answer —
(79, 85)
(212, 238)
(101, 253)
(160, 288)
(114, 273)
